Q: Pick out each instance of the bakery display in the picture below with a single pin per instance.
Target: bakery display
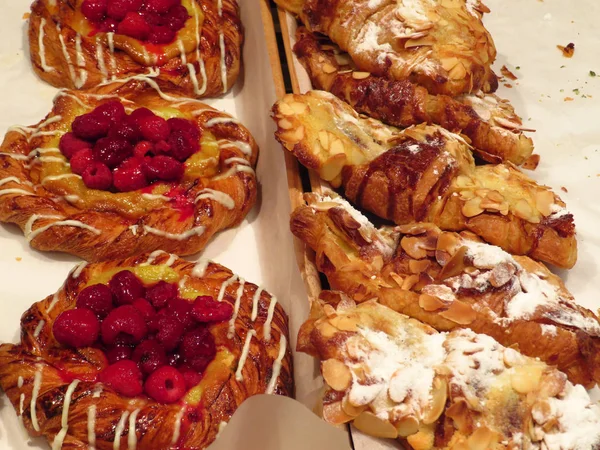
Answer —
(441, 45)
(424, 173)
(450, 281)
(394, 377)
(488, 122)
(149, 352)
(189, 47)
(124, 169)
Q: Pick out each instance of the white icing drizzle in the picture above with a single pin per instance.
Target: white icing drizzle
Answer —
(224, 286)
(21, 406)
(191, 67)
(152, 257)
(72, 73)
(119, 430)
(182, 51)
(55, 299)
(37, 384)
(61, 223)
(244, 356)
(200, 111)
(60, 437)
(60, 177)
(111, 47)
(100, 58)
(222, 426)
(78, 269)
(20, 382)
(200, 268)
(236, 309)
(182, 283)
(244, 147)
(14, 180)
(132, 435)
(91, 427)
(16, 156)
(267, 325)
(42, 48)
(218, 196)
(277, 364)
(134, 229)
(14, 191)
(235, 169)
(255, 300)
(155, 197)
(237, 160)
(220, 120)
(196, 231)
(222, 47)
(39, 328)
(35, 131)
(80, 63)
(177, 429)
(33, 218)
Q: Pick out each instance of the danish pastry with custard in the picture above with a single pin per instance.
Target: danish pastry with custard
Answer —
(123, 169)
(189, 47)
(152, 352)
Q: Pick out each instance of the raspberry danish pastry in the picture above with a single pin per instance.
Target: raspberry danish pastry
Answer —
(190, 47)
(152, 352)
(122, 169)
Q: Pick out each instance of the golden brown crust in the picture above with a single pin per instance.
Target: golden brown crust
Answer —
(425, 173)
(488, 122)
(442, 46)
(156, 424)
(62, 30)
(106, 225)
(432, 276)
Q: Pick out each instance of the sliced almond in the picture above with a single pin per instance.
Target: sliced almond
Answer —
(295, 135)
(360, 75)
(482, 439)
(460, 413)
(345, 323)
(463, 181)
(526, 379)
(448, 242)
(407, 426)
(495, 196)
(449, 63)
(334, 413)
(472, 207)
(502, 274)
(460, 313)
(332, 167)
(544, 201)
(372, 425)
(342, 59)
(397, 278)
(350, 409)
(418, 266)
(437, 404)
(523, 210)
(513, 358)
(422, 440)
(430, 303)
(328, 68)
(336, 374)
(541, 412)
(327, 330)
(285, 109)
(552, 383)
(285, 124)
(329, 311)
(409, 282)
(455, 266)
(299, 108)
(324, 139)
(412, 247)
(458, 72)
(336, 147)
(425, 41)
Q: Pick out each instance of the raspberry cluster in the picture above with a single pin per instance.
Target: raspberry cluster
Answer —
(154, 21)
(155, 342)
(115, 151)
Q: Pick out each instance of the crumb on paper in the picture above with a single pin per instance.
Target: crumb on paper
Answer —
(26, 15)
(508, 85)
(532, 162)
(19, 259)
(564, 189)
(507, 73)
(569, 99)
(592, 74)
(567, 51)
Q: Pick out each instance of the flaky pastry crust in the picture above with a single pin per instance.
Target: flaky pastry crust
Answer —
(425, 173)
(489, 122)
(449, 281)
(394, 377)
(439, 44)
(67, 52)
(37, 373)
(57, 212)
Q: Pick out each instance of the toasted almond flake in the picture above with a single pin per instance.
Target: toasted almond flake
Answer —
(299, 108)
(350, 409)
(418, 266)
(460, 313)
(495, 196)
(449, 63)
(472, 207)
(334, 413)
(409, 282)
(458, 72)
(482, 439)
(413, 248)
(336, 374)
(544, 201)
(526, 379)
(360, 75)
(532, 162)
(285, 109)
(407, 426)
(345, 323)
(328, 68)
(523, 210)
(324, 139)
(430, 303)
(372, 425)
(285, 124)
(439, 395)
(336, 147)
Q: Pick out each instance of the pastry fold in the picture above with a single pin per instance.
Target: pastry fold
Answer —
(489, 122)
(441, 45)
(394, 377)
(449, 281)
(37, 373)
(425, 173)
(203, 61)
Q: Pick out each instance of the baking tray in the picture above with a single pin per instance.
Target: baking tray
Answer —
(556, 96)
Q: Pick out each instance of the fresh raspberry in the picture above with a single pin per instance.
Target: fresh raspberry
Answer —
(154, 128)
(166, 385)
(94, 10)
(160, 6)
(154, 19)
(112, 110)
(170, 331)
(70, 144)
(126, 129)
(196, 344)
(143, 149)
(161, 293)
(182, 310)
(140, 113)
(162, 148)
(149, 356)
(98, 298)
(118, 353)
(206, 309)
(161, 35)
(97, 176)
(163, 168)
(191, 377)
(200, 363)
(129, 176)
(145, 309)
(135, 26)
(182, 145)
(124, 325)
(173, 359)
(112, 151)
(90, 126)
(176, 17)
(76, 328)
(187, 127)
(118, 9)
(124, 377)
(126, 287)
(109, 25)
(81, 161)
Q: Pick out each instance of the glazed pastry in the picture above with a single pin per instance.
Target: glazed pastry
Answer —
(425, 173)
(451, 281)
(441, 45)
(104, 177)
(189, 47)
(394, 377)
(487, 121)
(152, 352)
